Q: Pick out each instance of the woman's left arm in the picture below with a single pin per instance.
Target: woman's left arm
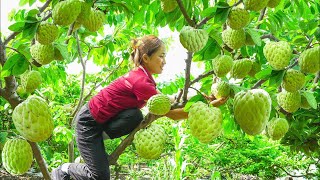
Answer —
(177, 114)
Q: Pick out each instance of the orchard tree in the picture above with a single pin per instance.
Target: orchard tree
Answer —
(262, 55)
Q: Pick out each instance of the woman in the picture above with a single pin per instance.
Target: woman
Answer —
(115, 111)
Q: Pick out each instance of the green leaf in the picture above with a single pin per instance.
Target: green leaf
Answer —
(30, 31)
(15, 65)
(255, 36)
(63, 50)
(264, 73)
(221, 14)
(17, 27)
(208, 12)
(3, 137)
(194, 99)
(31, 2)
(311, 99)
(23, 2)
(276, 77)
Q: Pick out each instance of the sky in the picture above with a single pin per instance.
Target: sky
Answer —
(175, 59)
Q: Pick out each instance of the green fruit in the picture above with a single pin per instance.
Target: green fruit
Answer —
(205, 122)
(193, 39)
(222, 64)
(43, 54)
(221, 89)
(304, 103)
(238, 18)
(32, 118)
(84, 14)
(159, 104)
(168, 5)
(234, 39)
(31, 80)
(252, 110)
(150, 141)
(66, 12)
(278, 54)
(293, 80)
(241, 68)
(21, 91)
(273, 3)
(277, 128)
(256, 67)
(255, 5)
(309, 60)
(95, 20)
(17, 156)
(47, 33)
(290, 102)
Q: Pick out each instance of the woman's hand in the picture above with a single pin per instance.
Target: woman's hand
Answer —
(218, 102)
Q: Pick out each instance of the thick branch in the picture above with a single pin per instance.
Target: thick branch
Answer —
(201, 76)
(289, 173)
(258, 84)
(185, 14)
(149, 118)
(13, 35)
(40, 160)
(187, 77)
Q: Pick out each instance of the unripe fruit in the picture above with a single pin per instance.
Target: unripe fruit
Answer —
(277, 128)
(273, 3)
(31, 80)
(222, 64)
(241, 68)
(252, 110)
(256, 67)
(234, 39)
(290, 102)
(43, 54)
(32, 118)
(95, 20)
(309, 60)
(255, 5)
(221, 89)
(205, 122)
(17, 156)
(193, 39)
(278, 54)
(293, 80)
(47, 33)
(238, 18)
(150, 141)
(66, 12)
(168, 5)
(159, 104)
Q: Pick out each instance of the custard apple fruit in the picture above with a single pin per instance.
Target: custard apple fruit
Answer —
(150, 141)
(273, 3)
(95, 20)
(256, 67)
(84, 14)
(293, 80)
(43, 54)
(252, 110)
(168, 5)
(17, 156)
(290, 102)
(255, 5)
(159, 104)
(66, 12)
(277, 128)
(32, 118)
(278, 54)
(221, 89)
(304, 103)
(238, 18)
(193, 39)
(241, 68)
(47, 33)
(31, 80)
(222, 64)
(234, 39)
(309, 60)
(205, 122)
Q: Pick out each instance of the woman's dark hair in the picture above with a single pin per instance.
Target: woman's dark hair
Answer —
(146, 45)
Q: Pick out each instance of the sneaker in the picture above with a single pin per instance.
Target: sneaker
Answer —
(58, 174)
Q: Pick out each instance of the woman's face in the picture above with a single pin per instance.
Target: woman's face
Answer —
(156, 61)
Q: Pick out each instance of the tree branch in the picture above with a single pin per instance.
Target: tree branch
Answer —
(149, 118)
(258, 84)
(201, 76)
(291, 174)
(315, 81)
(187, 77)
(262, 12)
(185, 14)
(40, 160)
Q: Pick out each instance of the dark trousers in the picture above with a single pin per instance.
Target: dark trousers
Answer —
(90, 142)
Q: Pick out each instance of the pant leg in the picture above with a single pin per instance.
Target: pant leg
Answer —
(91, 147)
(123, 123)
